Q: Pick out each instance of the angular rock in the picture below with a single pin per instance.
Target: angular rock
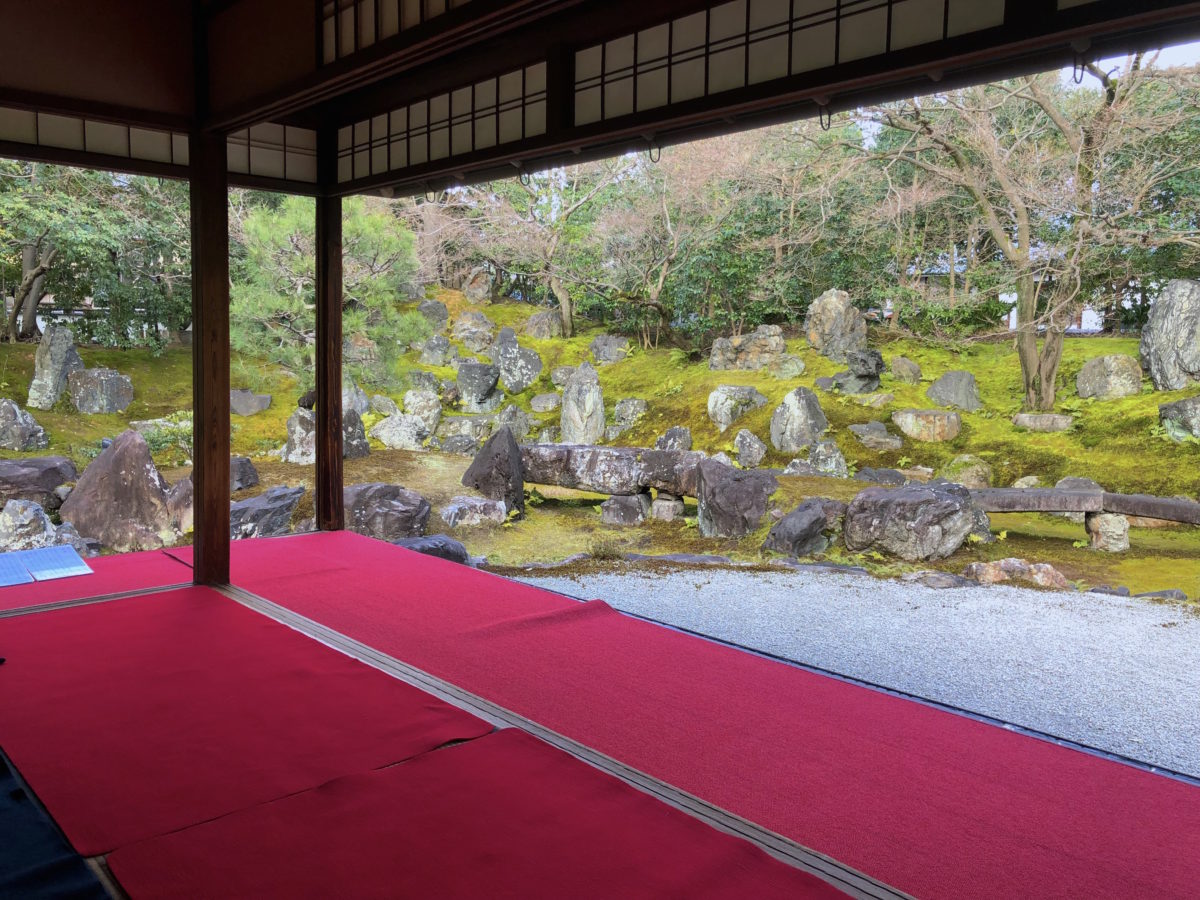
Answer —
(629, 410)
(97, 391)
(626, 509)
(758, 350)
(248, 403)
(801, 468)
(732, 502)
(24, 525)
(354, 436)
(385, 406)
(750, 450)
(612, 432)
(438, 351)
(1001, 570)
(544, 403)
(875, 436)
(1108, 532)
(609, 348)
(666, 507)
(798, 421)
(560, 375)
(827, 459)
(475, 330)
(181, 505)
(611, 470)
(957, 389)
(301, 445)
(1044, 422)
(18, 430)
(905, 370)
(471, 512)
(425, 381)
(915, 521)
(461, 444)
(66, 533)
(267, 515)
(477, 386)
(426, 406)
(863, 376)
(497, 471)
(519, 367)
(1027, 481)
(1170, 347)
(834, 326)
(387, 512)
(38, 479)
(824, 383)
(242, 474)
(354, 398)
(877, 401)
(435, 313)
(786, 367)
(440, 545)
(480, 285)
(544, 325)
(121, 499)
(801, 532)
(1181, 419)
(401, 432)
(55, 360)
(967, 470)
(1109, 377)
(930, 425)
(880, 476)
(677, 437)
(516, 419)
(582, 417)
(729, 402)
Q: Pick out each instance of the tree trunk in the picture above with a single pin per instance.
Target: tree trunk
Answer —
(31, 277)
(1039, 370)
(565, 306)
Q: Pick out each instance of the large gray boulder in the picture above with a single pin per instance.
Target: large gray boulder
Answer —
(1109, 377)
(24, 525)
(1181, 418)
(732, 502)
(248, 403)
(55, 360)
(798, 421)
(609, 348)
(426, 406)
(38, 479)
(18, 430)
(916, 521)
(519, 366)
(121, 499)
(625, 509)
(544, 325)
(957, 389)
(865, 367)
(387, 512)
(480, 285)
(497, 471)
(929, 425)
(757, 350)
(401, 432)
(242, 474)
(582, 415)
(801, 532)
(1170, 347)
(516, 419)
(477, 386)
(611, 470)
(267, 515)
(97, 391)
(834, 326)
(729, 402)
(475, 330)
(301, 445)
(904, 369)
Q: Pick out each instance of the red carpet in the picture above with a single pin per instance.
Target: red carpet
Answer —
(136, 717)
(503, 816)
(110, 575)
(933, 803)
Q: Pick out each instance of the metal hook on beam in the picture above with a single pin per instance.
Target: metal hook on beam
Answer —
(654, 152)
(524, 178)
(825, 117)
(1078, 68)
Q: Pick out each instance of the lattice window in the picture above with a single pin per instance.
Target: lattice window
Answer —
(76, 133)
(348, 26)
(274, 151)
(746, 42)
(508, 107)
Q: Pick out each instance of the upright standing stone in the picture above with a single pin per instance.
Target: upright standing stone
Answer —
(497, 471)
(729, 402)
(1170, 345)
(18, 430)
(582, 417)
(798, 421)
(55, 360)
(834, 326)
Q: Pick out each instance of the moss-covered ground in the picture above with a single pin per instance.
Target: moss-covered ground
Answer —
(1115, 442)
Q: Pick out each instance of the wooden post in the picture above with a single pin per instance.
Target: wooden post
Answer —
(210, 356)
(330, 509)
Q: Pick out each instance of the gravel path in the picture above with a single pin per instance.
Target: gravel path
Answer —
(1117, 674)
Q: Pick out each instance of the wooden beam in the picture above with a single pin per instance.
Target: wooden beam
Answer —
(210, 356)
(330, 511)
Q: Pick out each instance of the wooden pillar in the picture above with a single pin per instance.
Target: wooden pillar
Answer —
(210, 356)
(330, 509)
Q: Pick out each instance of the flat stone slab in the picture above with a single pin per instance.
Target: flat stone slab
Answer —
(1038, 500)
(1044, 422)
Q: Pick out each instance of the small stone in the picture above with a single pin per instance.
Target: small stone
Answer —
(969, 471)
(877, 401)
(24, 525)
(1181, 419)
(875, 436)
(801, 468)
(786, 367)
(957, 389)
(905, 370)
(667, 507)
(477, 386)
(881, 476)
(242, 474)
(560, 375)
(828, 460)
(677, 437)
(401, 432)
(1173, 594)
(628, 509)
(824, 383)
(1109, 377)
(551, 434)
(438, 351)
(384, 406)
(1027, 481)
(18, 430)
(460, 444)
(440, 545)
(750, 450)
(930, 425)
(544, 403)
(1108, 531)
(730, 402)
(1043, 422)
(435, 313)
(471, 512)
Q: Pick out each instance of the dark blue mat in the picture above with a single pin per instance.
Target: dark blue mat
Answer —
(35, 859)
